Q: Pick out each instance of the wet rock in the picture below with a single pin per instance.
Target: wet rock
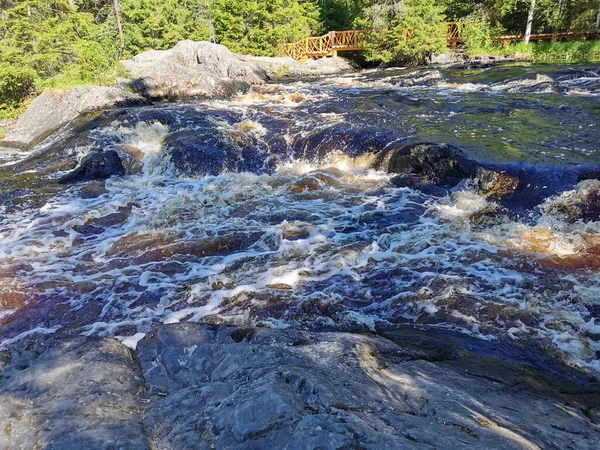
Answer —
(93, 189)
(419, 183)
(197, 153)
(495, 184)
(54, 108)
(98, 166)
(491, 215)
(212, 386)
(423, 78)
(71, 393)
(440, 164)
(259, 388)
(582, 203)
(344, 139)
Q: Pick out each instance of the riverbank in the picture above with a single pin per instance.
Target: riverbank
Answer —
(200, 70)
(575, 52)
(194, 386)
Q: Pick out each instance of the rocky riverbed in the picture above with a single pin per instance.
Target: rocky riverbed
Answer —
(194, 386)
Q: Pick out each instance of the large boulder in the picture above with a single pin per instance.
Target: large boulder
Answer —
(191, 69)
(97, 166)
(54, 108)
(198, 386)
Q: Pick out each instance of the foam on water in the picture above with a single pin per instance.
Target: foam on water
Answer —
(323, 242)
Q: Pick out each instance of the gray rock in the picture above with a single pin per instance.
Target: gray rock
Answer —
(218, 387)
(54, 108)
(71, 393)
(191, 69)
(280, 67)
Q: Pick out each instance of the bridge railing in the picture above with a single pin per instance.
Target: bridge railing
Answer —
(329, 44)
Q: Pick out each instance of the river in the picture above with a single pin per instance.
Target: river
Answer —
(292, 219)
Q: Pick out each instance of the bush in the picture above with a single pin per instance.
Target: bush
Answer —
(477, 32)
(16, 84)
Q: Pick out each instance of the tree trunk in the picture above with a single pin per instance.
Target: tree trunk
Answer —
(598, 21)
(529, 22)
(119, 27)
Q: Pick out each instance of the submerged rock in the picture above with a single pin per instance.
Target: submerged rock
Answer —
(433, 163)
(582, 203)
(98, 166)
(197, 152)
(206, 386)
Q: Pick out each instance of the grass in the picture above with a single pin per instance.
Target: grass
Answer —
(576, 51)
(546, 52)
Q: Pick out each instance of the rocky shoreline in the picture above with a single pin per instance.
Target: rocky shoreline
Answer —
(188, 70)
(195, 386)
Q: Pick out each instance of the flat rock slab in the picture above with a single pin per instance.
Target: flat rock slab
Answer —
(71, 393)
(196, 386)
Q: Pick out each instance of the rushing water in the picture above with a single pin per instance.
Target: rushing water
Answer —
(300, 225)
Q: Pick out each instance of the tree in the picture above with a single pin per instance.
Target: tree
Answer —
(259, 28)
(414, 29)
(119, 27)
(160, 24)
(529, 22)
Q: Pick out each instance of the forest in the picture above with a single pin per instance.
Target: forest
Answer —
(61, 43)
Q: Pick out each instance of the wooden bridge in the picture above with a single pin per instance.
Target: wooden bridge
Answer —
(343, 41)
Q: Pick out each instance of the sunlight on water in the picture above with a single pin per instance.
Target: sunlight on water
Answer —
(303, 228)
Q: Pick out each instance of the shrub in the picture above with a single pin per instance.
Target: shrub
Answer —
(16, 84)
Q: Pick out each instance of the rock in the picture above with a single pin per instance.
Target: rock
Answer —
(204, 69)
(420, 184)
(54, 108)
(205, 386)
(191, 69)
(196, 153)
(285, 67)
(238, 388)
(440, 164)
(445, 58)
(582, 203)
(495, 185)
(343, 138)
(71, 393)
(423, 78)
(98, 166)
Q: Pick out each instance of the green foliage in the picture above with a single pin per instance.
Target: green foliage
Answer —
(339, 15)
(16, 83)
(259, 28)
(555, 52)
(160, 24)
(476, 31)
(412, 30)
